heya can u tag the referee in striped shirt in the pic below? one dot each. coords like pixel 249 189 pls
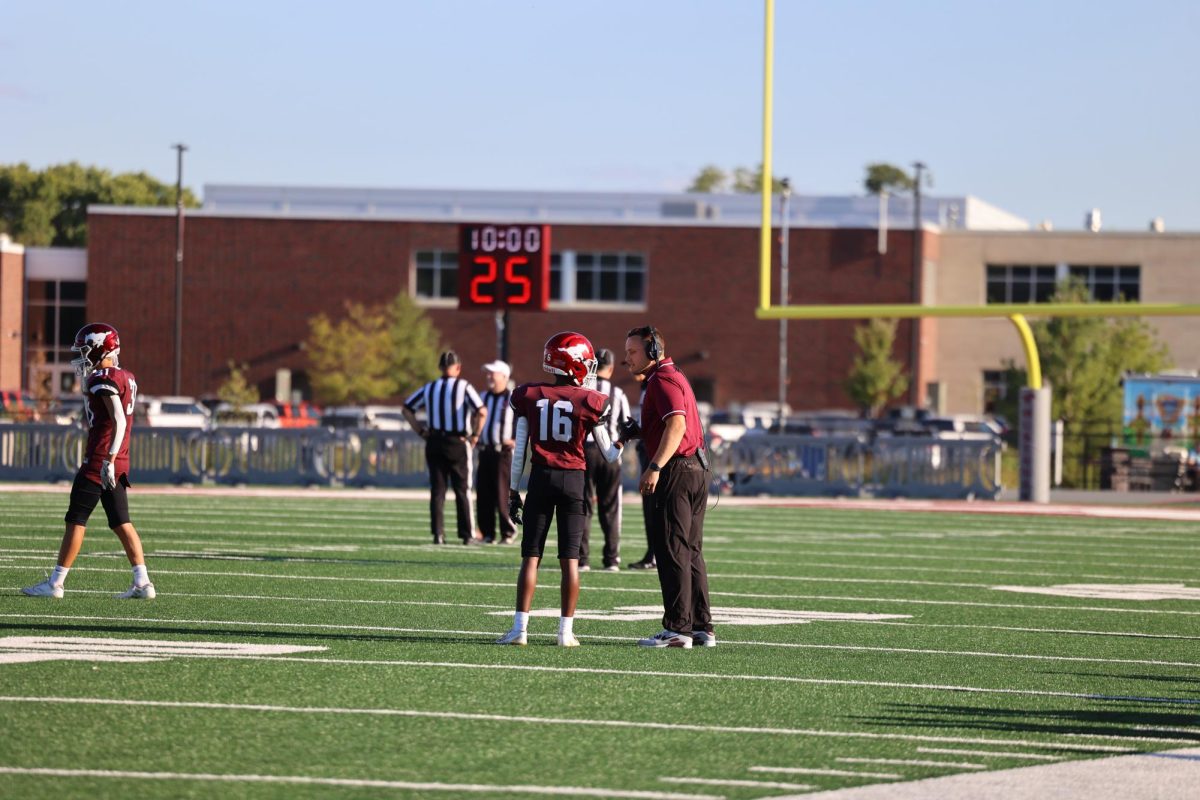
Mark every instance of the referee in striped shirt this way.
pixel 496 442
pixel 603 478
pixel 455 413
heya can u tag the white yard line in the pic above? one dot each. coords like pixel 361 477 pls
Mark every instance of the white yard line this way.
pixel 305 780
pixel 457 632
pixel 798 787
pixel 912 762
pixel 839 773
pixel 601 723
pixel 951 751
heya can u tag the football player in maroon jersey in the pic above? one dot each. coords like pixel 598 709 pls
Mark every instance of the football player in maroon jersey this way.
pixel 109 396
pixel 553 420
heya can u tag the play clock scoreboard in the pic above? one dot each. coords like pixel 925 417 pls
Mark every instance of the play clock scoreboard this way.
pixel 504 267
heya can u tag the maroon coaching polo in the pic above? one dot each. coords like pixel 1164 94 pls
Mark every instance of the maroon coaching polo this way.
pixel 668 393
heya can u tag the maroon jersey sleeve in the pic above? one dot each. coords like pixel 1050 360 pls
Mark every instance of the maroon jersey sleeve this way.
pixel 102 385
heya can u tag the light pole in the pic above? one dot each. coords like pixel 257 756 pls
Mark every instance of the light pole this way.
pixel 918 255
pixel 784 297
pixel 179 148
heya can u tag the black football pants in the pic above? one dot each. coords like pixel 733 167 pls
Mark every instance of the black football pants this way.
pixel 493 483
pixel 677 534
pixel 603 480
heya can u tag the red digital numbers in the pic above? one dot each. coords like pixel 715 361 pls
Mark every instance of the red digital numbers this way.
pixel 504 267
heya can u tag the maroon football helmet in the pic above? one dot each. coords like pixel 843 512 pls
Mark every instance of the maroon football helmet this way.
pixel 571 354
pixel 95 342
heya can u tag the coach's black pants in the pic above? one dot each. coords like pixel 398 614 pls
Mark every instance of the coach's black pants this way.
pixel 677 534
pixel 603 481
pixel 448 462
pixel 493 483
pixel 647 500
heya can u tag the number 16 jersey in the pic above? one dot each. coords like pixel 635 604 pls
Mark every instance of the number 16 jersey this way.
pixel 559 419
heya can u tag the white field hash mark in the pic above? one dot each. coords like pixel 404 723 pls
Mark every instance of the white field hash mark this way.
pixel 29 649
pixel 414 786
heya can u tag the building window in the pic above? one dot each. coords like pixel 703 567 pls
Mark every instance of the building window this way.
pixel 1036 283
pixel 55 312
pixel 437 275
pixel 995 389
pixel 1107 284
pixel 602 278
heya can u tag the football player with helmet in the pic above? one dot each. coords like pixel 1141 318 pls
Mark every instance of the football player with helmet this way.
pixel 553 419
pixel 110 393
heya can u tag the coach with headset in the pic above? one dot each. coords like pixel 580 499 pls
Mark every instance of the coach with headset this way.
pixel 677 479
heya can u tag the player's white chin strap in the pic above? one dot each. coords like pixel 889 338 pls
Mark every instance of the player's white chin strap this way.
pixel 518 462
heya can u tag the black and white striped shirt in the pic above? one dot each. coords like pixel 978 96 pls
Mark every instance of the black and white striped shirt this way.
pixel 499 426
pixel 447 403
pixel 618 405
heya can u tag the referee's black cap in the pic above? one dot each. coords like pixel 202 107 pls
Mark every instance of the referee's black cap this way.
pixel 604 358
pixel 448 359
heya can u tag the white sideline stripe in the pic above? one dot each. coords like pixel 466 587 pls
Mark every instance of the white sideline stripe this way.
pixel 912 762
pixel 1042 630
pixel 841 773
pixel 603 723
pixel 426 786
pixel 799 787
pixel 491 634
pixel 951 751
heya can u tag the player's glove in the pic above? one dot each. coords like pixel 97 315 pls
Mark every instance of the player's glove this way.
pixel 108 475
pixel 629 430
pixel 515 507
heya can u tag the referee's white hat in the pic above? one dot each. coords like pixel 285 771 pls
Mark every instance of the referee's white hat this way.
pixel 498 366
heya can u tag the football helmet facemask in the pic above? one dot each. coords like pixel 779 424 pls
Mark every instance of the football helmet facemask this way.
pixel 570 354
pixel 94 343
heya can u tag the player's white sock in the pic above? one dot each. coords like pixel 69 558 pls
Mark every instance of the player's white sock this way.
pixel 564 625
pixel 59 576
pixel 521 621
pixel 140 576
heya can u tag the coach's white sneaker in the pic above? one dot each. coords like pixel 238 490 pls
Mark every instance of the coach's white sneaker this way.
pixel 143 592
pixel 514 636
pixel 667 638
pixel 704 639
pixel 44 589
pixel 567 640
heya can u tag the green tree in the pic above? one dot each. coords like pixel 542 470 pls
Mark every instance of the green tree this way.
pixel 236 390
pixel 1082 360
pixel 882 176
pixel 875 377
pixel 49 207
pixel 712 179
pixel 373 352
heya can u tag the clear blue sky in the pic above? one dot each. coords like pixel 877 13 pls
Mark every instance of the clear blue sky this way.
pixel 1045 108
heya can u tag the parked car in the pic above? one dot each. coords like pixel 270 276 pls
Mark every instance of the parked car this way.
pixel 251 415
pixel 170 412
pixel 963 426
pixel 298 415
pixel 379 418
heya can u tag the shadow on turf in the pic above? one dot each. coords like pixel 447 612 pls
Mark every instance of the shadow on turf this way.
pixel 1036 720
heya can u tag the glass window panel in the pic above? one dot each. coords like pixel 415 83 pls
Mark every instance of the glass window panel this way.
pixel 1021 292
pixel 424 283
pixel 71 319
pixel 1043 292
pixel 633 287
pixel 1080 272
pixel 1129 273
pixel 425 258
pixel 1103 292
pixel 584 285
pixel 1104 274
pixel 1131 290
pixel 995 273
pixel 584 260
pixel 1045 274
pixel 608 286
pixel 449 283
pixel 634 261
pixel 75 291
pixel 1021 273
pixel 556 284
pixel 996 292
pixel 40 292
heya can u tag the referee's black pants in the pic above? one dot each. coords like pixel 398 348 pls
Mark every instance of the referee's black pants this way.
pixel 676 535
pixel 603 480
pixel 493 480
pixel 449 462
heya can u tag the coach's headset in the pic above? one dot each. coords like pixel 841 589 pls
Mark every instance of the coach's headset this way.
pixel 652 340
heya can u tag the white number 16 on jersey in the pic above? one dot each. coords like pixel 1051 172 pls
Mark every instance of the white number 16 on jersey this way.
pixel 556 423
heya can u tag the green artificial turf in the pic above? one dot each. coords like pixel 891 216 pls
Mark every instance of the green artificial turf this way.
pixel 407 689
